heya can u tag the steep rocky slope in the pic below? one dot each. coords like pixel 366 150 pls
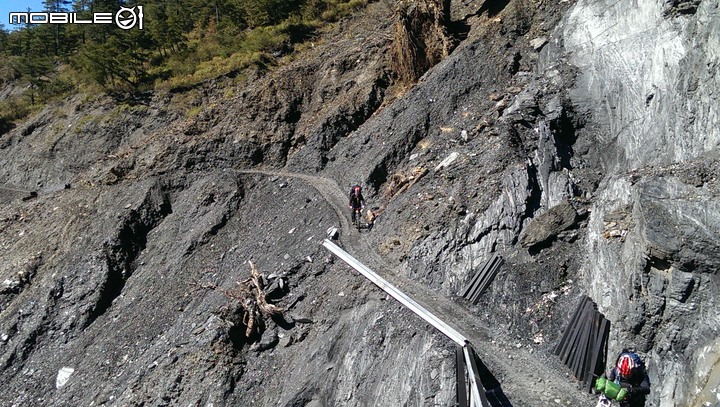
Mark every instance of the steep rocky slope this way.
pixel 576 139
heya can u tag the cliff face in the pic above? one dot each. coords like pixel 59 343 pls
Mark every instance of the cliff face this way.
pixel 648 76
pixel 578 140
pixel 649 81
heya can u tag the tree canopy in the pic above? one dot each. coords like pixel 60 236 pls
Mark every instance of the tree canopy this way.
pixel 182 41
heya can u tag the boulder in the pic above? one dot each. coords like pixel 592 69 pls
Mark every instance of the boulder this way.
pixel 549 224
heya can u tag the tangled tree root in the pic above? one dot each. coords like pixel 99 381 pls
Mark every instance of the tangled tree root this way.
pixel 251 302
pixel 421 37
pixel 254 301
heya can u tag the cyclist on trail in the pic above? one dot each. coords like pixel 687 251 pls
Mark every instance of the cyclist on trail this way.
pixel 357 202
pixel 630 374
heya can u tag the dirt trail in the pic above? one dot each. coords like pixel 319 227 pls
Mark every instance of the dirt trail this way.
pixel 526 379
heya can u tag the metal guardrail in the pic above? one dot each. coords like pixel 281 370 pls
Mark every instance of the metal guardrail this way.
pixel 462 377
pixel 477 393
pixel 397 294
pixel 7 188
pixel 25 194
pixel 477 398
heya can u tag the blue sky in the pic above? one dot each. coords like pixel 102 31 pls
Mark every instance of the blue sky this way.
pixel 6 6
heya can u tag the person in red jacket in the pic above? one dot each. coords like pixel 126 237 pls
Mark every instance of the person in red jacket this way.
pixel 629 372
pixel 357 202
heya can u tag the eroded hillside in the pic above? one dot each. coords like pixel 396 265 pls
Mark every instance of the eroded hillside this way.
pixel 576 139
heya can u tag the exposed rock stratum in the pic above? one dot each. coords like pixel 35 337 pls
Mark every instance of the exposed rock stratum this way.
pixel 577 139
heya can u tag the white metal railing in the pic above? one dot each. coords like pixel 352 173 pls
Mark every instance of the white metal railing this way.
pixel 476 399
pixel 397 294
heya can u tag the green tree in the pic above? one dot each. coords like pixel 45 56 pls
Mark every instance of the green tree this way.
pixel 267 12
pixel 4 41
pixel 7 71
pixel 55 34
pixel 120 63
pixel 31 61
pixel 35 70
pixel 166 23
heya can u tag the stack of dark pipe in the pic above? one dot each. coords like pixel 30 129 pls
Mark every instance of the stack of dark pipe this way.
pixel 583 347
pixel 482 279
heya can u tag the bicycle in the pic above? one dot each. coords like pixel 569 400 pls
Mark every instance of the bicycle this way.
pixel 358 218
pixel 604 402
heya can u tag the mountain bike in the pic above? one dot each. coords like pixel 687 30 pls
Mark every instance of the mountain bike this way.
pixel 358 218
pixel 604 402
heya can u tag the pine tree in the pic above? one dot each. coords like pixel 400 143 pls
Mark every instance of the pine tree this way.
pixel 120 63
pixel 4 41
pixel 266 12
pixel 167 22
pixel 33 63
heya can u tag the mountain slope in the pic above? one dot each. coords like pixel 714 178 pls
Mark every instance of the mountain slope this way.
pixel 127 265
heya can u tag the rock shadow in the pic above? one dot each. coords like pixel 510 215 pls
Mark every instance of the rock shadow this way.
pixel 493 7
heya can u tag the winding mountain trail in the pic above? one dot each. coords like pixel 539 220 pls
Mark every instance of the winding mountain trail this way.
pixel 526 379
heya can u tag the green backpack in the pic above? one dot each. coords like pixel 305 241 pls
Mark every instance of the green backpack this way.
pixel 610 389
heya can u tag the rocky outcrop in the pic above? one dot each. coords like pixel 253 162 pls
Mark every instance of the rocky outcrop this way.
pixel 549 224
pixel 421 37
pixel 654 279
pixel 652 273
pixel 647 80
pixel 578 141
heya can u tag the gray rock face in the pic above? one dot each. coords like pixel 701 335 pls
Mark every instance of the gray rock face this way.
pixel 648 79
pixel 547 109
pixel 655 282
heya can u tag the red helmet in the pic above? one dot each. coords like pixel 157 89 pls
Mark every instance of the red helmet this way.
pixel 625 365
